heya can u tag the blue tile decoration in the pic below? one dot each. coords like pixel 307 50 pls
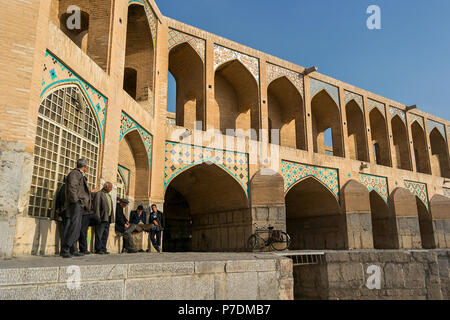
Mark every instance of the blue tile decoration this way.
pixel 375 183
pixel 127 125
pixel 316 86
pixel 223 55
pixel 412 117
pixel 274 72
pixel 180 157
pixel 419 190
pixel 294 172
pixel 56 74
pixel 371 104
pixel 151 16
pixel 397 112
pixel 439 126
pixel 125 174
pixel 349 96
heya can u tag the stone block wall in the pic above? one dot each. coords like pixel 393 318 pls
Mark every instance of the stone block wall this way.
pixel 415 274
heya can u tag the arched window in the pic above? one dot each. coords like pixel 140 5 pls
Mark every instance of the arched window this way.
pixel 66 131
pixel 121 187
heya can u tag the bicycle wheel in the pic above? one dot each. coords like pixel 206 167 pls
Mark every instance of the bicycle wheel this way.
pixel 255 243
pixel 283 243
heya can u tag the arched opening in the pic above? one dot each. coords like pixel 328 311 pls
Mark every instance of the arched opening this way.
pixel 286 113
pixel 88 28
pixel 325 115
pixel 384 227
pixel 314 219
pixel 206 210
pixel 356 132
pixel 139 56
pixel 379 137
pixel 130 82
pixel 186 67
pixel 439 154
pixel 426 225
pixel 133 156
pixel 420 148
pixel 236 100
pixel 400 137
pixel 67 130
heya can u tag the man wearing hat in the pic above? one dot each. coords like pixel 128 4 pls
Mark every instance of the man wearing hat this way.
pixel 138 221
pixel 123 226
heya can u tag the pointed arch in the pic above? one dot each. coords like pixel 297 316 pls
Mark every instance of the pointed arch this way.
pixel 426 225
pixel 326 115
pixel 439 153
pixel 187 68
pixel 286 112
pixel 236 98
pixel 401 145
pixel 310 225
pixel 379 137
pixel 384 225
pixel 356 131
pixel 420 148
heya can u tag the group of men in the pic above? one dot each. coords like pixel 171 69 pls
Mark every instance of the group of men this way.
pixel 80 208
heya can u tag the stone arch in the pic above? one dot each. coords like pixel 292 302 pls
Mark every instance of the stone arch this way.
pixel 93 36
pixel 314 219
pixel 426 225
pixel 139 54
pixel 286 113
pixel 439 154
pixel 420 148
pixel 400 137
pixel 384 227
pixel 236 98
pixel 133 156
pixel 213 202
pixel 440 213
pixel 325 114
pixel 356 131
pixel 67 129
pixel 186 66
pixel 404 207
pixel 379 137
pixel 355 202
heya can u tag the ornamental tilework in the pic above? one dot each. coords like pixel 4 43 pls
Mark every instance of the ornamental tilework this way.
pixel 125 174
pixel 316 86
pixel 293 172
pixel 177 37
pixel 419 190
pixel 375 104
pixel 223 55
pixel 127 125
pixel 397 112
pixel 439 126
pixel 274 72
pixel 55 73
pixel 349 96
pixel 151 17
pixel 180 156
pixel 375 183
pixel 412 117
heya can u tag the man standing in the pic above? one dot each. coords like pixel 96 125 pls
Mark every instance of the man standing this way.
pixel 158 219
pixel 123 226
pixel 78 201
pixel 103 207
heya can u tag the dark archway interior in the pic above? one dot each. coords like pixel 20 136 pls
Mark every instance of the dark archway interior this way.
pixel 356 132
pixel 384 227
pixel 206 210
pixel 314 219
pixel 379 137
pixel 420 148
pixel 439 153
pixel 400 137
pixel 426 226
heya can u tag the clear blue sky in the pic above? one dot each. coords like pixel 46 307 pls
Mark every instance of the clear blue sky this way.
pixel 408 60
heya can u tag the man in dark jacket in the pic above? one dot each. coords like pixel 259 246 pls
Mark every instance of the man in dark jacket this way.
pixel 103 207
pixel 78 201
pixel 123 226
pixel 138 221
pixel 61 210
pixel 159 220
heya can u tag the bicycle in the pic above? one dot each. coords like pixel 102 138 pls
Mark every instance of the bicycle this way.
pixel 277 239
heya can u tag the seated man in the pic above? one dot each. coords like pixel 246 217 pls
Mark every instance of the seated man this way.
pixel 138 218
